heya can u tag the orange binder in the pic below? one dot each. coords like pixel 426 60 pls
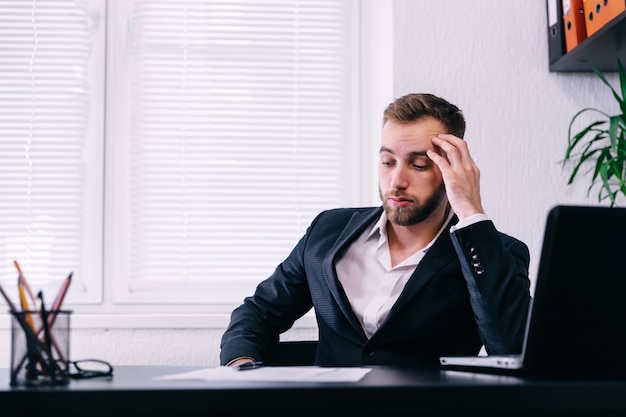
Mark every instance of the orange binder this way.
pixel 600 12
pixel 574 22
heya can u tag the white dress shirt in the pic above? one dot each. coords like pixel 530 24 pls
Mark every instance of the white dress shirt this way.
pixel 371 284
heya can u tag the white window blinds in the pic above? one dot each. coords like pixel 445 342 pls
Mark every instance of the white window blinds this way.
pixel 51 187
pixel 232 125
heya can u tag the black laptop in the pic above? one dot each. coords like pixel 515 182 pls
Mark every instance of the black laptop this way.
pixel 577 320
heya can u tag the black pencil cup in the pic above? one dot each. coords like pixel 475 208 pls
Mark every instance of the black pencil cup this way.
pixel 40 347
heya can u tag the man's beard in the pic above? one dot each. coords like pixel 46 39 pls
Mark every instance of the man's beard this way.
pixel 408 216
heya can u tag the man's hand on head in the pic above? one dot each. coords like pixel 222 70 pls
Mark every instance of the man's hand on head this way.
pixel 460 174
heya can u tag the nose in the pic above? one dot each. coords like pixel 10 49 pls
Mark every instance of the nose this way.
pixel 399 178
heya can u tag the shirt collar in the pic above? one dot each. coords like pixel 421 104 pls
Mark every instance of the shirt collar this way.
pixel 378 228
pixel 379 231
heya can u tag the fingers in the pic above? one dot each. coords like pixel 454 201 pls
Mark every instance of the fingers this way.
pixel 460 174
pixel 453 155
pixel 455 150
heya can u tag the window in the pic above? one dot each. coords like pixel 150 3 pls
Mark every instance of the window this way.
pixel 51 79
pixel 227 126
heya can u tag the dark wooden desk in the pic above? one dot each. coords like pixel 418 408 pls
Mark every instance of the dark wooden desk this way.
pixel 383 392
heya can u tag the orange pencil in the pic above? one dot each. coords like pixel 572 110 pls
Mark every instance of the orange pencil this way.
pixel 22 279
pixel 25 307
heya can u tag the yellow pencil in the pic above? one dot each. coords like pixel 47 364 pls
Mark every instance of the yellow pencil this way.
pixel 22 279
pixel 25 307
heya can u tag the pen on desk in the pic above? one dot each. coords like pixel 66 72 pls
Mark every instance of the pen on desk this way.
pixel 249 365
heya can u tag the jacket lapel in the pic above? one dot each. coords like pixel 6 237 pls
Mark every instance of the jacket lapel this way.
pixel 355 226
pixel 440 254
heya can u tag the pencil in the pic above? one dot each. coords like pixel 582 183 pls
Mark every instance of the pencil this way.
pixel 22 279
pixel 47 337
pixel 25 307
pixel 33 349
pixel 58 300
pixel 54 308
pixel 34 352
pixel 7 299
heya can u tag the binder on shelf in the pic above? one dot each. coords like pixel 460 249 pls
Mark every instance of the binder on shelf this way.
pixel 600 12
pixel 574 23
pixel 556 30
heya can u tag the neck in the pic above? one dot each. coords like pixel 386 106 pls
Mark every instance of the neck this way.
pixel 404 241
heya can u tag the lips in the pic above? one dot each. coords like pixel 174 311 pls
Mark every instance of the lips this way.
pixel 400 202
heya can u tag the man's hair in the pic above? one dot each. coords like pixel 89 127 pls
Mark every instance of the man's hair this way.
pixel 412 107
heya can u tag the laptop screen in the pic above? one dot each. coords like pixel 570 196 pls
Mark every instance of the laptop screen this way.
pixel 578 319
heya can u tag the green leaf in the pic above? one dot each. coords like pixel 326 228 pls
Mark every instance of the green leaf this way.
pixel 622 81
pixel 584 157
pixel 605 81
pixel 600 146
pixel 579 136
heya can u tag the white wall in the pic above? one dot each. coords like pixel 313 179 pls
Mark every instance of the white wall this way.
pixel 491 59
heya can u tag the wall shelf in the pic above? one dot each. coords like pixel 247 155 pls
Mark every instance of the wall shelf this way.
pixel 602 49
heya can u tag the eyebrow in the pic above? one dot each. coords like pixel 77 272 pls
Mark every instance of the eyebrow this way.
pixel 411 155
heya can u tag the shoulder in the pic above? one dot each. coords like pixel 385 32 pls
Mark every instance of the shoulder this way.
pixel 339 217
pixel 349 212
pixel 342 215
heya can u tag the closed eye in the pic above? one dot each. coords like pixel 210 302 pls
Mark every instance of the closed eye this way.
pixel 421 163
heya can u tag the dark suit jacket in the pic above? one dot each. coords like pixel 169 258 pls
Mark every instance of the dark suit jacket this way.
pixel 470 289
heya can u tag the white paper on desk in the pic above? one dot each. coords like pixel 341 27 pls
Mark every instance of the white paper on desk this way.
pixel 273 373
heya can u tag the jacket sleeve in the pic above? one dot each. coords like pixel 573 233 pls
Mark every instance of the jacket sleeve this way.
pixel 277 302
pixel 495 268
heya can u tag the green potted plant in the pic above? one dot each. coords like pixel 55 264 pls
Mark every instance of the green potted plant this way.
pixel 601 146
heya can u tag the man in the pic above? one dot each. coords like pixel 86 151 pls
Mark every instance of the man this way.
pixel 424 276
